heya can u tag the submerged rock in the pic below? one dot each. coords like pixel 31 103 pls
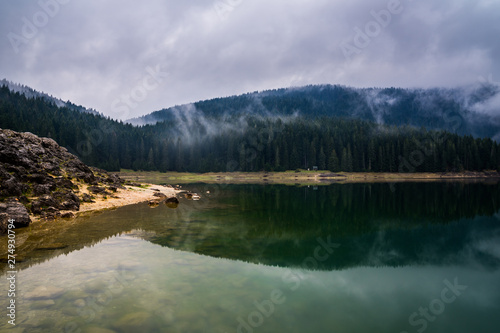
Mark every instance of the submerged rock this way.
pixel 134 322
pixel 44 292
pixel 192 196
pixel 172 202
pixel 80 303
pixel 153 203
pixel 73 295
pixel 95 287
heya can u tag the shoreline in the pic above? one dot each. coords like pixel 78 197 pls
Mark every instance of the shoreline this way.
pixel 304 177
pixel 122 197
pixel 50 234
pixel 146 188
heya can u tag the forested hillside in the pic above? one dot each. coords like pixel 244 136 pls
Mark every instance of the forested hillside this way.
pixel 248 141
pixel 472 110
pixel 31 93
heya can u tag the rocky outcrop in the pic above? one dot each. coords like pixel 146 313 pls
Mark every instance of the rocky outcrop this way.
pixel 44 176
pixel 14 210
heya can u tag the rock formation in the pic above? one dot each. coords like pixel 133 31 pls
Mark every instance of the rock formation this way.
pixel 44 178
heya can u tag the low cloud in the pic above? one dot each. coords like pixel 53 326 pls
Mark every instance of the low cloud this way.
pixel 257 45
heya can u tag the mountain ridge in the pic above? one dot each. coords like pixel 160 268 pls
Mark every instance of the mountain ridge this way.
pixel 469 110
pixel 32 93
pixel 230 134
pixel 434 108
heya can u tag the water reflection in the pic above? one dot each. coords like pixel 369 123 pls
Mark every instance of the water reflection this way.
pixel 419 223
pixel 341 258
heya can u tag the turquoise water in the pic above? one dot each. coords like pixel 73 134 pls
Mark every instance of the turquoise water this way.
pixel 253 258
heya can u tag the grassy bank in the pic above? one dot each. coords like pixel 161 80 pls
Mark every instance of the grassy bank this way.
pixel 300 177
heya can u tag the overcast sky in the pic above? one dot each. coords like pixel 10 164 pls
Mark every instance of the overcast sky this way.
pixel 128 58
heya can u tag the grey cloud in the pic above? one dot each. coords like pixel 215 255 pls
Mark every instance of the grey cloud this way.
pixel 93 52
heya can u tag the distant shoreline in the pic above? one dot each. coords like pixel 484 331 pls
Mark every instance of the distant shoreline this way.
pixel 304 176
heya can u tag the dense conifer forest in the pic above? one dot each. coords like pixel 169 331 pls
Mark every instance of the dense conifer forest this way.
pixel 217 141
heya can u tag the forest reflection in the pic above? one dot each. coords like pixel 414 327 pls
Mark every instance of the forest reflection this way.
pixel 418 223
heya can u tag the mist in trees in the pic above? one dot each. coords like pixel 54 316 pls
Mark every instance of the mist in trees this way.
pixel 251 143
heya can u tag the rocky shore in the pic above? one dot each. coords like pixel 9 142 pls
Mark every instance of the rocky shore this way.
pixel 41 180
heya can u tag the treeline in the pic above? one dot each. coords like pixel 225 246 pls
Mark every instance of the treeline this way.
pixel 334 144
pixel 97 140
pixel 440 109
pixel 250 144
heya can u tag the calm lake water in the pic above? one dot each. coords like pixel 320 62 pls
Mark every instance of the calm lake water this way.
pixel 255 258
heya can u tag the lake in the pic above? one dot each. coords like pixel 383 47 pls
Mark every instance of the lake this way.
pixel 410 257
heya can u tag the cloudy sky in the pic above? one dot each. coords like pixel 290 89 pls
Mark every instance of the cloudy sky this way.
pixel 127 58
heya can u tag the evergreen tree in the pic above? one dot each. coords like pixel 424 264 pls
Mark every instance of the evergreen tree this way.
pixel 333 162
pixel 262 144
pixel 322 159
pixel 343 161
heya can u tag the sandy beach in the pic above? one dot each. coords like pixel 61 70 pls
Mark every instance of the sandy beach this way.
pixel 131 195
pixel 122 197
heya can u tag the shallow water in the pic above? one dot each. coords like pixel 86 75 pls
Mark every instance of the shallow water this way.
pixel 253 258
